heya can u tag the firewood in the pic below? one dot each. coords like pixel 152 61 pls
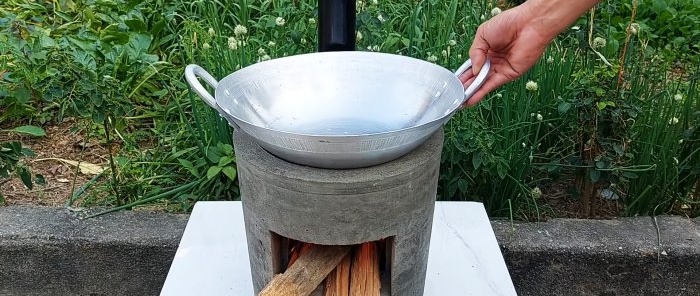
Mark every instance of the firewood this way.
pixel 296 250
pixel 338 282
pixel 364 274
pixel 307 272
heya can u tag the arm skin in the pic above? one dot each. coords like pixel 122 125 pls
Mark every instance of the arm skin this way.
pixel 515 39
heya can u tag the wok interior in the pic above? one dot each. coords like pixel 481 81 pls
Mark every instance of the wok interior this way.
pixel 340 93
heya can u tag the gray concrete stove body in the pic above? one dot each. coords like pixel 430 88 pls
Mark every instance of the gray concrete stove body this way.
pixel 392 201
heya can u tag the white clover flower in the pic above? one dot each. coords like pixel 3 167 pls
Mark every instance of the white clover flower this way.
pixel 312 21
pixel 280 21
pixel 452 42
pixel 536 192
pixel 375 2
pixel 232 43
pixel 303 40
pixel 271 44
pixel 550 60
pixel 264 58
pixel 459 56
pixel 358 36
pixel 599 42
pixel 575 28
pixel 495 11
pixel 359 5
pixel 381 18
pixel 240 30
pixel 678 97
pixel 634 28
pixel 531 86
pixel 432 58
pixel 673 120
pixel 211 32
pixel 206 46
pixel 444 53
pixel 680 141
pixel 261 52
pixel 539 117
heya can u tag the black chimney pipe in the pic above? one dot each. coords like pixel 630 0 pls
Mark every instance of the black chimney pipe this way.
pixel 336 25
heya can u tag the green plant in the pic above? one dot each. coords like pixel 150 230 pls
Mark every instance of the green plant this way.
pixel 626 135
pixel 79 58
pixel 667 139
pixel 192 159
pixel 600 108
pixel 671 28
pixel 502 151
pixel 11 154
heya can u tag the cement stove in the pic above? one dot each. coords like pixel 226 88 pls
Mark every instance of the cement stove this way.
pixel 393 202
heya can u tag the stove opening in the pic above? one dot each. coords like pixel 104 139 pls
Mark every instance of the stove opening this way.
pixel 330 270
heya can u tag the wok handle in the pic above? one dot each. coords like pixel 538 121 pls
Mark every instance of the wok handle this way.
pixel 192 72
pixel 480 78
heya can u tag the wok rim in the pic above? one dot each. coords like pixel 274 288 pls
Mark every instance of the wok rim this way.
pixel 253 67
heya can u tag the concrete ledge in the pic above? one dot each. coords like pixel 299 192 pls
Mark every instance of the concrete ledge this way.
pixel 49 251
pixel 631 256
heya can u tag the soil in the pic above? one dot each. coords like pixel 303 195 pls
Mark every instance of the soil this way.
pixel 65 141
pixel 557 198
pixel 62 141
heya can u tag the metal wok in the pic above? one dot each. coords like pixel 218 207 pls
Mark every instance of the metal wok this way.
pixel 338 110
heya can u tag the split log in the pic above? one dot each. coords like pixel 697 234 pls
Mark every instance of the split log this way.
pixel 364 274
pixel 297 249
pixel 307 272
pixel 338 282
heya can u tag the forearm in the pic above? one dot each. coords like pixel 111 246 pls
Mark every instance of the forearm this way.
pixel 551 17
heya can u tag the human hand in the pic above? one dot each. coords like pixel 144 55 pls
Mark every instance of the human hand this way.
pixel 515 39
pixel 511 43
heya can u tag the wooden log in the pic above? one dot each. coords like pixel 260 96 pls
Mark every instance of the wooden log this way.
pixel 297 248
pixel 307 272
pixel 364 274
pixel 338 282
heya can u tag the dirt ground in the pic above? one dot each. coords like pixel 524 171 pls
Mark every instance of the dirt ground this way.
pixel 61 142
pixel 558 198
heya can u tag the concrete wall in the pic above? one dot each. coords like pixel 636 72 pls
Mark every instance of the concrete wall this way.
pixel 49 251
pixel 631 256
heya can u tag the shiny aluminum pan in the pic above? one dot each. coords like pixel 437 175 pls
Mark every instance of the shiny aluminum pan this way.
pixel 338 110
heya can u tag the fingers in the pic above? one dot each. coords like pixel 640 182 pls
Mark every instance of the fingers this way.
pixel 467 77
pixel 478 51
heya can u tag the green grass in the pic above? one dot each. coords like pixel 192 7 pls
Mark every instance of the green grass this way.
pixel 582 129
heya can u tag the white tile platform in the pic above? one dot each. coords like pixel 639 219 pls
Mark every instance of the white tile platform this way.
pixel 212 259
